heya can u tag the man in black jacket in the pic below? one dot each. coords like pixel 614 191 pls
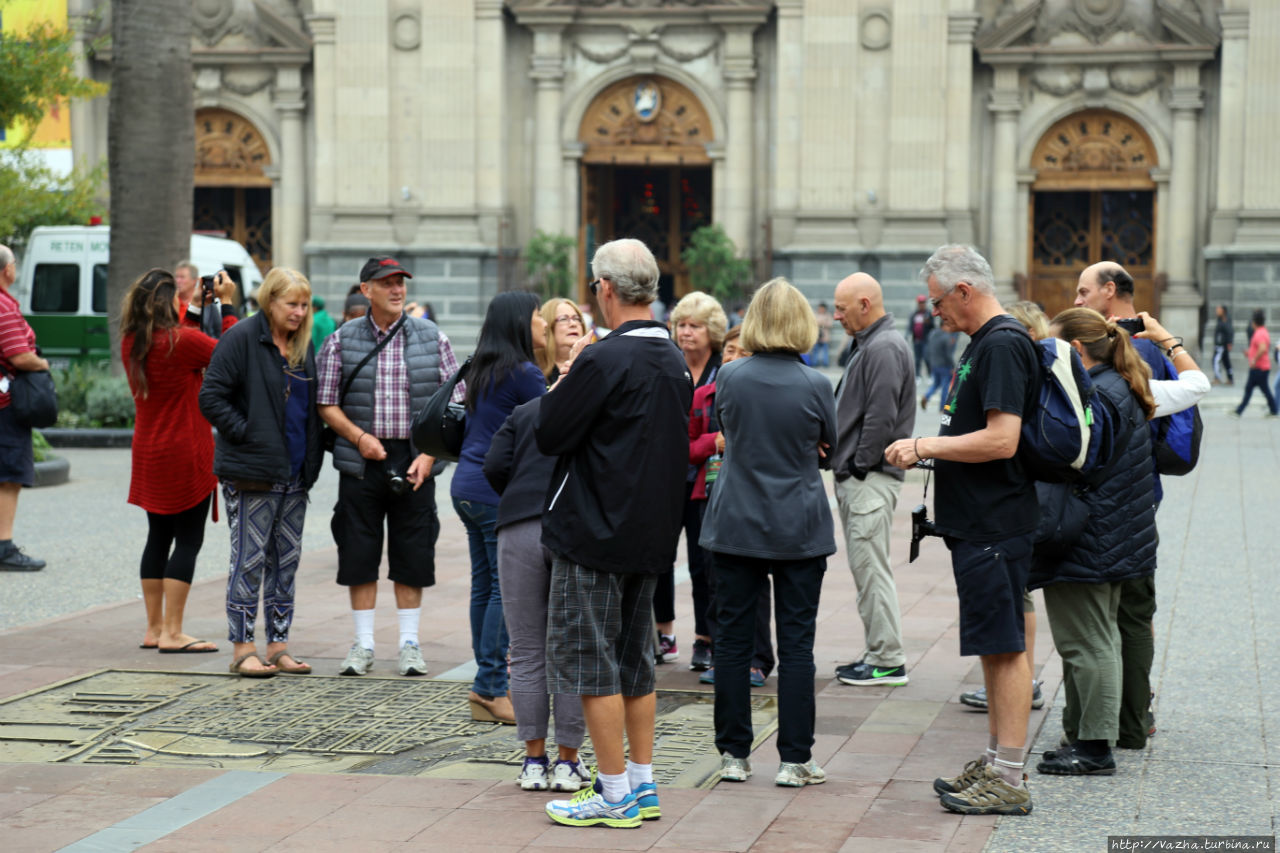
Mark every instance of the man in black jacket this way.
pixel 618 421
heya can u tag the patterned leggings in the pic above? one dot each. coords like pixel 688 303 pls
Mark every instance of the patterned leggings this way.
pixel 266 544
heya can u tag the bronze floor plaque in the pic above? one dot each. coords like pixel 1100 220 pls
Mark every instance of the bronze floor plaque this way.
pixel 315 724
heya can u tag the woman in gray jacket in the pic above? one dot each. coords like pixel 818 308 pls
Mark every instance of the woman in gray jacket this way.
pixel 769 515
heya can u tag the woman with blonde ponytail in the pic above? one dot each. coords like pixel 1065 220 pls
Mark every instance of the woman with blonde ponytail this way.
pixel 1083 588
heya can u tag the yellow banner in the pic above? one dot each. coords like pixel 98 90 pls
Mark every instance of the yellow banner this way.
pixel 17 17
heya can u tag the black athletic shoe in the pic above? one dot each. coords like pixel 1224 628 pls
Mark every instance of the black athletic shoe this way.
pixel 865 674
pixel 16 561
pixel 1070 761
pixel 701 660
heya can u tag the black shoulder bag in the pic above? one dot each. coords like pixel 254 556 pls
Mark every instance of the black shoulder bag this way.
pixel 330 436
pixel 438 429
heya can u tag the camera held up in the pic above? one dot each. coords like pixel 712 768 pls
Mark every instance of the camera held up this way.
pixel 921 527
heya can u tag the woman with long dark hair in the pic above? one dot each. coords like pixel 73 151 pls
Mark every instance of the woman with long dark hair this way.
pixel 503 374
pixel 172 455
pixel 1084 588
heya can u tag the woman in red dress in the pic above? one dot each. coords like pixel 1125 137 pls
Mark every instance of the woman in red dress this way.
pixel 172 476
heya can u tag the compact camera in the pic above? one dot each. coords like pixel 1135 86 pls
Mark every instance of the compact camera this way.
pixel 398 483
pixel 1132 325
pixel 921 527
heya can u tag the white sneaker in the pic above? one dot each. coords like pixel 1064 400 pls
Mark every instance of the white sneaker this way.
pixel 792 775
pixel 533 776
pixel 411 662
pixel 358 661
pixel 734 769
pixel 569 776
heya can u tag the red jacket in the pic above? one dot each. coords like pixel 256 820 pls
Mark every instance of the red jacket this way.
pixel 172 441
pixel 702 442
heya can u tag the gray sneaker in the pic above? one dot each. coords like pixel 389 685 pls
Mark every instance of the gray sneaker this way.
pixel 990 795
pixel 411 662
pixel 734 769
pixel 791 775
pixel 978 698
pixel 358 661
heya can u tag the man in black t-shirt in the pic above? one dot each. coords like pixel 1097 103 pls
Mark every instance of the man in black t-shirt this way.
pixel 986 508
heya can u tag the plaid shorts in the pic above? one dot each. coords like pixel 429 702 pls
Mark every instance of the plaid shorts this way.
pixel 599 632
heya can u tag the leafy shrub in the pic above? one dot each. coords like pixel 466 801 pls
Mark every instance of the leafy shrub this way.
pixel 40 446
pixel 109 402
pixel 548 261
pixel 714 265
pixel 90 396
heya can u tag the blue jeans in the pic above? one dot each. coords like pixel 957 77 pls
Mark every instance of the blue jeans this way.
pixel 941 382
pixel 821 354
pixel 1257 379
pixel 488 629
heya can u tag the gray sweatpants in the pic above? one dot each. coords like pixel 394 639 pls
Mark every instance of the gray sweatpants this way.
pixel 524 574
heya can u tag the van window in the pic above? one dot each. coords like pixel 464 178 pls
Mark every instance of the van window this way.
pixel 99 288
pixel 55 289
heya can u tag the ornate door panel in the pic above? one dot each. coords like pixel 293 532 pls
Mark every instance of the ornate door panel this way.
pixel 233 192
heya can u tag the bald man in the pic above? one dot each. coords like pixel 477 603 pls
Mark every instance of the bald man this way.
pixel 875 406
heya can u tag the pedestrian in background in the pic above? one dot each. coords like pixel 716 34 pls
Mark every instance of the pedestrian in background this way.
pixel 259 392
pixel 164 361
pixel 1223 336
pixel 1258 357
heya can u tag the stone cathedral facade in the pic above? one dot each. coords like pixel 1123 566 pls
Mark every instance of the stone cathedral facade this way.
pixel 825 136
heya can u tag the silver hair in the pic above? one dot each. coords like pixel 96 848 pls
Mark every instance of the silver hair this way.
pixel 954 263
pixel 631 267
pixel 6 256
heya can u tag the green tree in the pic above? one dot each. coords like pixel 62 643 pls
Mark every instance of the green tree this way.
pixel 714 265
pixel 548 261
pixel 36 73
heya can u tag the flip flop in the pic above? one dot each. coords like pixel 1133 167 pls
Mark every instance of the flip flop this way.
pixel 237 664
pixel 299 668
pixel 186 650
pixel 153 647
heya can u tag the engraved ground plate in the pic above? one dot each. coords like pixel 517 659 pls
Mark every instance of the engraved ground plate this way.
pixel 315 724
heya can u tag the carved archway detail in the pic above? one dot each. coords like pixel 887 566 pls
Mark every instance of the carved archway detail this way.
pixel 1094 149
pixel 646 120
pixel 230 151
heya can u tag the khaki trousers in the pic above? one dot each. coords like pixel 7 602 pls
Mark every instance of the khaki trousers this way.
pixel 1082 618
pixel 866 513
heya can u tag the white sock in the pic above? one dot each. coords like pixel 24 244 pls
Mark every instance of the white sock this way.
pixel 638 774
pixel 364 628
pixel 615 788
pixel 409 625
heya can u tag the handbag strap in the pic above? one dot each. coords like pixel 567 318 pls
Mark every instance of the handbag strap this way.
pixel 346 386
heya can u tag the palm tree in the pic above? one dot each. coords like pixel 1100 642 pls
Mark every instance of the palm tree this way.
pixel 150 143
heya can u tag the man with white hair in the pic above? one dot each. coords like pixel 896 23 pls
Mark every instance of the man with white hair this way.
pixel 617 420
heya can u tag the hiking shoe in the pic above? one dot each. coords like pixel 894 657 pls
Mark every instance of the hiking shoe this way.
pixel 990 795
pixel 978 698
pixel 1070 761
pixel 708 677
pixel 668 651
pixel 589 808
pixel 734 769
pixel 646 794
pixel 16 561
pixel 864 674
pixel 358 661
pixel 701 660
pixel 411 662
pixel 757 677
pixel 569 776
pixel 973 772
pixel 533 775
pixel 792 775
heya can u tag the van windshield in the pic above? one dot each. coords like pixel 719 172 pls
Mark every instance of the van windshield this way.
pixel 55 289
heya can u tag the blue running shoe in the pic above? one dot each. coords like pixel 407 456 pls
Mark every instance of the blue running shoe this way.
pixel 646 794
pixel 589 808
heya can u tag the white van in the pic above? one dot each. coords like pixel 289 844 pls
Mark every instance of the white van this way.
pixel 63 286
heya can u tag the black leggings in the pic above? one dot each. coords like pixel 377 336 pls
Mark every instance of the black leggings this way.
pixel 185 532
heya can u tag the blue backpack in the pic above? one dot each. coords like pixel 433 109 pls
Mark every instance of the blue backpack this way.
pixel 1070 435
pixel 1175 439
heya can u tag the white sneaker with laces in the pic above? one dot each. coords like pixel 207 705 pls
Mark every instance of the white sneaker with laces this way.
pixel 358 661
pixel 569 776
pixel 792 775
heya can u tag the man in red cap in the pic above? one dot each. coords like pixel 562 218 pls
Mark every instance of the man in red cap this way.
pixel 919 327
pixel 374 373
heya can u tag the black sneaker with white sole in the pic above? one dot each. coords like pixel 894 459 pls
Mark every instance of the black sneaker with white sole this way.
pixel 1071 760
pixel 863 674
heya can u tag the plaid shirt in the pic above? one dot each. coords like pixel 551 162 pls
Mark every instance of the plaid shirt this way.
pixel 392 417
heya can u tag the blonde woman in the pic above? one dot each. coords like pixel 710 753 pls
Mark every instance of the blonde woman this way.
pixel 565 325
pixel 259 391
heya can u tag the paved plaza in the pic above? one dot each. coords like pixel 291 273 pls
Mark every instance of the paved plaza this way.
pixel 1212 769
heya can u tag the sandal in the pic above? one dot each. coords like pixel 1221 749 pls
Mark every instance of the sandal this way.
pixel 298 668
pixel 237 667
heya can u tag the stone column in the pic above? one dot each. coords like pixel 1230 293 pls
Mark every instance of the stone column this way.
pixel 1181 301
pixel 787 103
pixel 547 71
pixel 960 29
pixel 324 113
pixel 491 138
pixel 289 231
pixel 1005 104
pixel 739 75
pixel 1232 77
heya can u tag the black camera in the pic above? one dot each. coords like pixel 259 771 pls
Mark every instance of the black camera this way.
pixel 206 286
pixel 398 483
pixel 921 527
pixel 1132 325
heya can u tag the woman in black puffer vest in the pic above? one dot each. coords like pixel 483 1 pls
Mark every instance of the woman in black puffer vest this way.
pixel 1083 589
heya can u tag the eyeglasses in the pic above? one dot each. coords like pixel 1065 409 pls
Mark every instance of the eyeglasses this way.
pixel 594 286
pixel 568 318
pixel 934 303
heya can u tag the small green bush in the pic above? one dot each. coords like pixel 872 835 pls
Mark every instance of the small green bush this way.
pixel 109 402
pixel 714 265
pixel 548 261
pixel 40 446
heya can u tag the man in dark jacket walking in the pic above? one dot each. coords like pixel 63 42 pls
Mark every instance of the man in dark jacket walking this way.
pixel 875 406
pixel 618 421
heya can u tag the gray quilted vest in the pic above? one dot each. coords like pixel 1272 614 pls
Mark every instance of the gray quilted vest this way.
pixel 421 342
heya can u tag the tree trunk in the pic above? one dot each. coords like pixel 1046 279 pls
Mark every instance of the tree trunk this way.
pixel 150 144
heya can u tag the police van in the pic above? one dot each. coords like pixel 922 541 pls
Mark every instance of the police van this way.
pixel 62 287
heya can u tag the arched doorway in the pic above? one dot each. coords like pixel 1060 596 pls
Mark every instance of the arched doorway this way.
pixel 1093 200
pixel 646 172
pixel 232 189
